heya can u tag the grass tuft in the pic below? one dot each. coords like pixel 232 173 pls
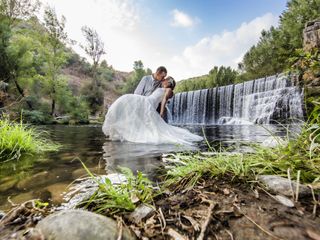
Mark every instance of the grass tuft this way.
pixel 17 139
pixel 111 199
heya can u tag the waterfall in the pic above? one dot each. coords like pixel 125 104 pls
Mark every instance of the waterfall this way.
pixel 263 101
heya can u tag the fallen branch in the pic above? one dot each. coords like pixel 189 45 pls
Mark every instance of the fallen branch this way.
pixel 207 221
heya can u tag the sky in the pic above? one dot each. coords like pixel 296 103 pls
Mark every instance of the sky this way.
pixel 188 37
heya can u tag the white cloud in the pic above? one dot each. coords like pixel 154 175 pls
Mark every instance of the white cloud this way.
pixel 226 48
pixel 181 19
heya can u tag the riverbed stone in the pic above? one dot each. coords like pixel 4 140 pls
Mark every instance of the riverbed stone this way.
pixel 115 178
pixel 140 213
pixel 8 184
pixel 281 185
pixel 81 225
pixel 57 191
pixel 34 180
pixel 81 172
pixel 2 214
pixel 22 197
pixel 284 201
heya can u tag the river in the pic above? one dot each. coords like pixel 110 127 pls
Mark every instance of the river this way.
pixel 47 176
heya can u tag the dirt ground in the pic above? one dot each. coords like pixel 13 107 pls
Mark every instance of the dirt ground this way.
pixel 214 209
pixel 217 209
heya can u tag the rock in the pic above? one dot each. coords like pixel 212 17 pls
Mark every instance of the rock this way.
pixel 311 35
pixel 284 201
pixel 43 194
pixel 80 225
pixel 282 186
pixel 115 178
pixel 273 142
pixel 140 213
pixel 77 193
pixel 35 180
pixel 29 234
pixel 83 190
pixel 7 185
pixel 23 197
pixel 67 156
pixel 57 191
pixel 81 172
pixel 2 214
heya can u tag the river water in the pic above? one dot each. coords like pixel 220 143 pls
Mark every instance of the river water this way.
pixel 47 176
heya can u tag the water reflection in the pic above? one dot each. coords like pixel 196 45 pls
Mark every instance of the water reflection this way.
pixel 137 156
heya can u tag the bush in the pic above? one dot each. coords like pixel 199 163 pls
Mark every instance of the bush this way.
pixel 36 117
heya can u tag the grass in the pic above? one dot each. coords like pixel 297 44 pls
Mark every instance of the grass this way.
pixel 299 155
pixel 17 139
pixel 111 199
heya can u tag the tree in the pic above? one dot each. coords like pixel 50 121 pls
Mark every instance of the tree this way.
pixel 277 45
pixel 55 54
pixel 10 12
pixel 18 9
pixel 135 77
pixel 94 48
pixel 218 76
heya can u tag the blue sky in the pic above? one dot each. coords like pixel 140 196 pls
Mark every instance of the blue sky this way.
pixel 189 37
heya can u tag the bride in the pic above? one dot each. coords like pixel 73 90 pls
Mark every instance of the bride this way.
pixel 134 118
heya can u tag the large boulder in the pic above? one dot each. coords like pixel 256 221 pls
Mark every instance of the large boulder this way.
pixel 81 225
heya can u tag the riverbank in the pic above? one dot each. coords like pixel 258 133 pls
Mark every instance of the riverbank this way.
pixel 198 204
pixel 212 209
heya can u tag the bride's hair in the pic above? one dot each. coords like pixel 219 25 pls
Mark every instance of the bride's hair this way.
pixel 172 82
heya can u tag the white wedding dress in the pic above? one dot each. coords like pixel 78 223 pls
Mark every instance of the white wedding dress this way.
pixel 134 118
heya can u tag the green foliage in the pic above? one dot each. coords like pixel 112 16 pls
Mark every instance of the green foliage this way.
pixel 54 51
pixel 218 76
pixel 93 96
pixel 5 34
pixel 306 63
pixel 270 55
pixel 36 117
pixel 17 139
pixel 32 58
pixel 135 77
pixel 111 199
pixel 105 74
pixel 195 166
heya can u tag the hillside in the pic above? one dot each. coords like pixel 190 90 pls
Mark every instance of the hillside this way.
pixel 78 79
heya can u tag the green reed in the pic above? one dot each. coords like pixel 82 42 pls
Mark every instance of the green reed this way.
pixel 17 139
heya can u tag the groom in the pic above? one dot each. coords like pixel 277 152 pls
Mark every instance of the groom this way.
pixel 149 83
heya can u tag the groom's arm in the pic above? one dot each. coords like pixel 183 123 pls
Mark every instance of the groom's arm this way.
pixel 140 88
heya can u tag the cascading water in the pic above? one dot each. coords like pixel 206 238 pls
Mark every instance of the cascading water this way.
pixel 263 101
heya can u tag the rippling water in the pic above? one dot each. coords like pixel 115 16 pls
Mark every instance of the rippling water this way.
pixel 47 176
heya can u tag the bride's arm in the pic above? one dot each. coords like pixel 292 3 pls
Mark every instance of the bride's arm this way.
pixel 168 94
